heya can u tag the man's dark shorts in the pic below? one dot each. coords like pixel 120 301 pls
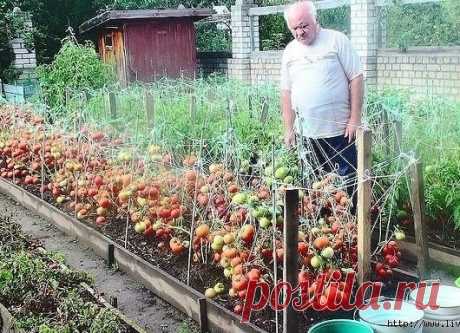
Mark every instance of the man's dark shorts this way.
pixel 334 154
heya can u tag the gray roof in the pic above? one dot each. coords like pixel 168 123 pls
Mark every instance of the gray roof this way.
pixel 114 15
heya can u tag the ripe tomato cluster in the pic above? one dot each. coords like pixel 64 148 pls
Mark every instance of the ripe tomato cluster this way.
pixel 391 259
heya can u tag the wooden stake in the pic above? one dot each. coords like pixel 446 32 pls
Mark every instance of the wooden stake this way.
pixel 203 315
pixel 364 138
pixel 250 105
pixel 290 271
pixel 110 255
pixel 149 109
pixel 398 136
pixel 113 301
pixel 112 105
pixel 417 198
pixel 264 113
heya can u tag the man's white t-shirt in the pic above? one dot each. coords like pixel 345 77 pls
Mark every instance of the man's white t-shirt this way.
pixel 318 77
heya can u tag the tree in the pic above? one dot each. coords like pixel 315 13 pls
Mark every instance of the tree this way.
pixel 11 25
pixel 51 19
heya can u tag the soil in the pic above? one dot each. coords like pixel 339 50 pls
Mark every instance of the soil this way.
pixel 135 301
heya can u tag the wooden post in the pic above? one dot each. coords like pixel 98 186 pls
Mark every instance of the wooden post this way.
pixel 264 113
pixel 364 139
pixel 149 109
pixel 250 105
pixel 113 301
pixel 386 131
pixel 417 198
pixel 110 255
pixel 290 269
pixel 112 105
pixel 203 316
pixel 398 136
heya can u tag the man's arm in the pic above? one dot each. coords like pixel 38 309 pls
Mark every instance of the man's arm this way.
pixel 288 118
pixel 356 104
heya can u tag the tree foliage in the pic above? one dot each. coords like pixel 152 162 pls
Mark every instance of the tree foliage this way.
pixel 11 26
pixel 51 19
pixel 426 24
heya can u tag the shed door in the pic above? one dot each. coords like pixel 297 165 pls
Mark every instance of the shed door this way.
pixel 160 48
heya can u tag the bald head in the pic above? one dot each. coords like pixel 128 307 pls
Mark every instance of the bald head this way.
pixel 301 21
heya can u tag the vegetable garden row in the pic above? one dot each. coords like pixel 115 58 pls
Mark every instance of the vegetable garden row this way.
pixel 201 195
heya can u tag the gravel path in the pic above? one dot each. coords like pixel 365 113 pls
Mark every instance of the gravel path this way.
pixel 135 301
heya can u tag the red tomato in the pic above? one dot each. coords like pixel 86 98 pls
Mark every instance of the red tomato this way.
pixel 302 248
pixel 254 274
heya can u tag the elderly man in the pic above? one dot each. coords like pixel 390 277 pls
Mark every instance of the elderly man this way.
pixel 321 91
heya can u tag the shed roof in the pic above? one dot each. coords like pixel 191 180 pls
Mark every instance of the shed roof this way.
pixel 123 15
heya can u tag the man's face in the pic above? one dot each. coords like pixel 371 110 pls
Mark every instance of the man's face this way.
pixel 303 26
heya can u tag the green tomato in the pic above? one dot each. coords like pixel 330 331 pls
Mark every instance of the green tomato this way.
pixel 240 198
pixel 327 252
pixel 400 235
pixel 264 222
pixel 219 288
pixel 210 293
pixel 281 173
pixel 139 227
pixel 288 180
pixel 316 261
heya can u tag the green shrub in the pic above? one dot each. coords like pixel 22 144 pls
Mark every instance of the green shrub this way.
pixel 75 68
pixel 431 127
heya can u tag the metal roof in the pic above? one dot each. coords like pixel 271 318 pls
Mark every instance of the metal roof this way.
pixel 123 15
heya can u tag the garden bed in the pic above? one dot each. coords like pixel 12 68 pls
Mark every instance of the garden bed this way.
pixel 162 277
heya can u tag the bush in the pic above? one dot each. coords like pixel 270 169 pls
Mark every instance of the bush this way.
pixel 75 68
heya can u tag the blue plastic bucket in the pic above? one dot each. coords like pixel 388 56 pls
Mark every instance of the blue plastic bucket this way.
pixel 340 326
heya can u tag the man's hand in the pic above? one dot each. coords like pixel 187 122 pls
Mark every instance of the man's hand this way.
pixel 289 139
pixel 350 131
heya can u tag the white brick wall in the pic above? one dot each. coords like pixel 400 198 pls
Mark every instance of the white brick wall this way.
pixel 422 70
pixel 25 59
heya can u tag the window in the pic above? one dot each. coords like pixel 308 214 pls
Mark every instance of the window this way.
pixel 108 41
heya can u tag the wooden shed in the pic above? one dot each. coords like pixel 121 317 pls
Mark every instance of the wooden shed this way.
pixel 147 44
